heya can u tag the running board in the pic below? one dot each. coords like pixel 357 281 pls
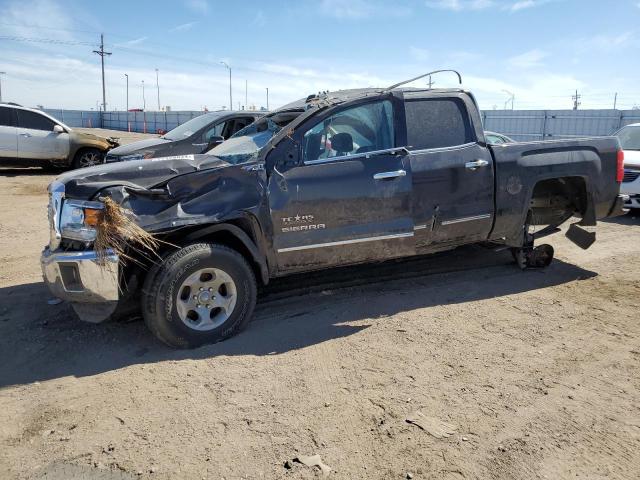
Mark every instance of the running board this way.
pixel 580 236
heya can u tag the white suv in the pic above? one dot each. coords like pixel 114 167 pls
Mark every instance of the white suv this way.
pixel 29 137
pixel 629 137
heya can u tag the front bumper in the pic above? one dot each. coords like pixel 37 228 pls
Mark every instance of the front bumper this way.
pixel 79 278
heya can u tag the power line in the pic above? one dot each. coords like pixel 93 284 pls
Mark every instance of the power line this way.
pixel 52 41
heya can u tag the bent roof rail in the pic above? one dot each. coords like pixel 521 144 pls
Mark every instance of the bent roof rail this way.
pixel 425 75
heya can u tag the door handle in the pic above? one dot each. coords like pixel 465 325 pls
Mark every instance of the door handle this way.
pixel 476 164
pixel 387 175
pixel 25 134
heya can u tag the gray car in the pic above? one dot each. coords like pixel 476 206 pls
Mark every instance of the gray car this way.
pixel 195 136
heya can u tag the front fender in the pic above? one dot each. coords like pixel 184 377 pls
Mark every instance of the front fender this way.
pixel 241 236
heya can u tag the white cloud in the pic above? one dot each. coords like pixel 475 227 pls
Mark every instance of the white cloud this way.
pixel 259 19
pixel 361 9
pixel 130 43
pixel 183 27
pixel 419 54
pixel 460 5
pixel 531 59
pixel 476 5
pixel 522 5
pixel 198 6
pixel 22 18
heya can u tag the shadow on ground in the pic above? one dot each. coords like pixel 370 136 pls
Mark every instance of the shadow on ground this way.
pixel 40 342
pixel 631 218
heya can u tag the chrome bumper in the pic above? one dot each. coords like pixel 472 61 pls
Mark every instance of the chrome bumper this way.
pixel 78 277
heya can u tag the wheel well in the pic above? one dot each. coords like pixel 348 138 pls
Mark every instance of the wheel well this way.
pixel 553 199
pixel 235 235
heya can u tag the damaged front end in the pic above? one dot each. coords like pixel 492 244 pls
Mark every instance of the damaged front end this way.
pixel 100 249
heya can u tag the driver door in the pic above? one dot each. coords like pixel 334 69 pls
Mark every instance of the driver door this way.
pixel 348 198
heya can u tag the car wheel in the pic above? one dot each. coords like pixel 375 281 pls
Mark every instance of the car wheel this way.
pixel 200 294
pixel 88 157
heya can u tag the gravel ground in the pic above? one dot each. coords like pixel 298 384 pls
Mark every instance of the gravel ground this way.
pixel 456 366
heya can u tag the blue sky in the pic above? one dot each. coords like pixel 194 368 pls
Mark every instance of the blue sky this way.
pixel 541 50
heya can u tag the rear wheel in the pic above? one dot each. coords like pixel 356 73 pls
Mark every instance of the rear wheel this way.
pixel 200 294
pixel 88 157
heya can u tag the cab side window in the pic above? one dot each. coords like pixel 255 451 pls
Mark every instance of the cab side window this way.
pixel 215 131
pixel 360 129
pixel 6 117
pixel 34 121
pixel 437 123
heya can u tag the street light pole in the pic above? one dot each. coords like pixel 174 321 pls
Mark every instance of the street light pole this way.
pixel 267 98
pixel 1 73
pixel 127 76
pixel 230 96
pixel 158 87
pixel 144 102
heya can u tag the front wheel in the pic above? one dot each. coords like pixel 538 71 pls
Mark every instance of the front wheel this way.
pixel 88 157
pixel 200 294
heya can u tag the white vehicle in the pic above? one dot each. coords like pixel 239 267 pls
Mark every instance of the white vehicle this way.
pixel 30 137
pixel 629 137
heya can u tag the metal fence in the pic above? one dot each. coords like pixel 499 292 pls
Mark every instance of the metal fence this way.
pixel 520 125
pixel 527 125
pixel 76 118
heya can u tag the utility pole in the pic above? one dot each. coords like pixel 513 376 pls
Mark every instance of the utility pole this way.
pixel 127 76
pixel 576 100
pixel 615 100
pixel 158 88
pixel 245 94
pixel 430 82
pixel 102 53
pixel 267 98
pixel 230 97
pixel 1 73
pixel 144 101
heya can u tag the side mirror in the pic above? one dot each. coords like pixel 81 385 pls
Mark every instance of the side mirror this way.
pixel 215 140
pixel 58 129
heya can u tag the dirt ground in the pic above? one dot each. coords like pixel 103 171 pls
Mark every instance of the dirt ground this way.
pixel 456 366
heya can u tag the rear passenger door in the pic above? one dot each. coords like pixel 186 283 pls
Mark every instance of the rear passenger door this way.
pixel 8 135
pixel 452 174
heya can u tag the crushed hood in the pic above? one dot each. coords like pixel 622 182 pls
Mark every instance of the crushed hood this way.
pixel 139 146
pixel 84 183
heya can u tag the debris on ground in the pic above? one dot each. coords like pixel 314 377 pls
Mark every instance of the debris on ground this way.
pixel 433 426
pixel 310 461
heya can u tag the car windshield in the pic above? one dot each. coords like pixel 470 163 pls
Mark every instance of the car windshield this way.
pixel 246 144
pixel 189 128
pixel 629 137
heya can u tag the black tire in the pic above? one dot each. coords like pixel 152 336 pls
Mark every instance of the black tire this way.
pixel 87 157
pixel 159 297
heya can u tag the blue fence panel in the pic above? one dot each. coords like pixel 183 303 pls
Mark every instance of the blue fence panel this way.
pixel 521 125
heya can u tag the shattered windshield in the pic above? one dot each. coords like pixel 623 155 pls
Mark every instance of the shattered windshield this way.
pixel 246 144
pixel 630 138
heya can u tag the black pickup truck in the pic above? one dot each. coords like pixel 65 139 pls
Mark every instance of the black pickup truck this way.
pixel 337 178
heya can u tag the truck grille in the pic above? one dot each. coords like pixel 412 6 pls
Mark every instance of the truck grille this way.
pixel 630 176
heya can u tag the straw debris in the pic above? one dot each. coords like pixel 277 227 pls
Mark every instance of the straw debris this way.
pixel 116 230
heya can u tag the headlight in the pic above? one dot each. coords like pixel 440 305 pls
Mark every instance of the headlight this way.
pixel 79 219
pixel 138 156
pixel 135 156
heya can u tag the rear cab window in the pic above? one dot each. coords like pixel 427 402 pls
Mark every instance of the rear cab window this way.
pixel 34 121
pixel 437 123
pixel 355 130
